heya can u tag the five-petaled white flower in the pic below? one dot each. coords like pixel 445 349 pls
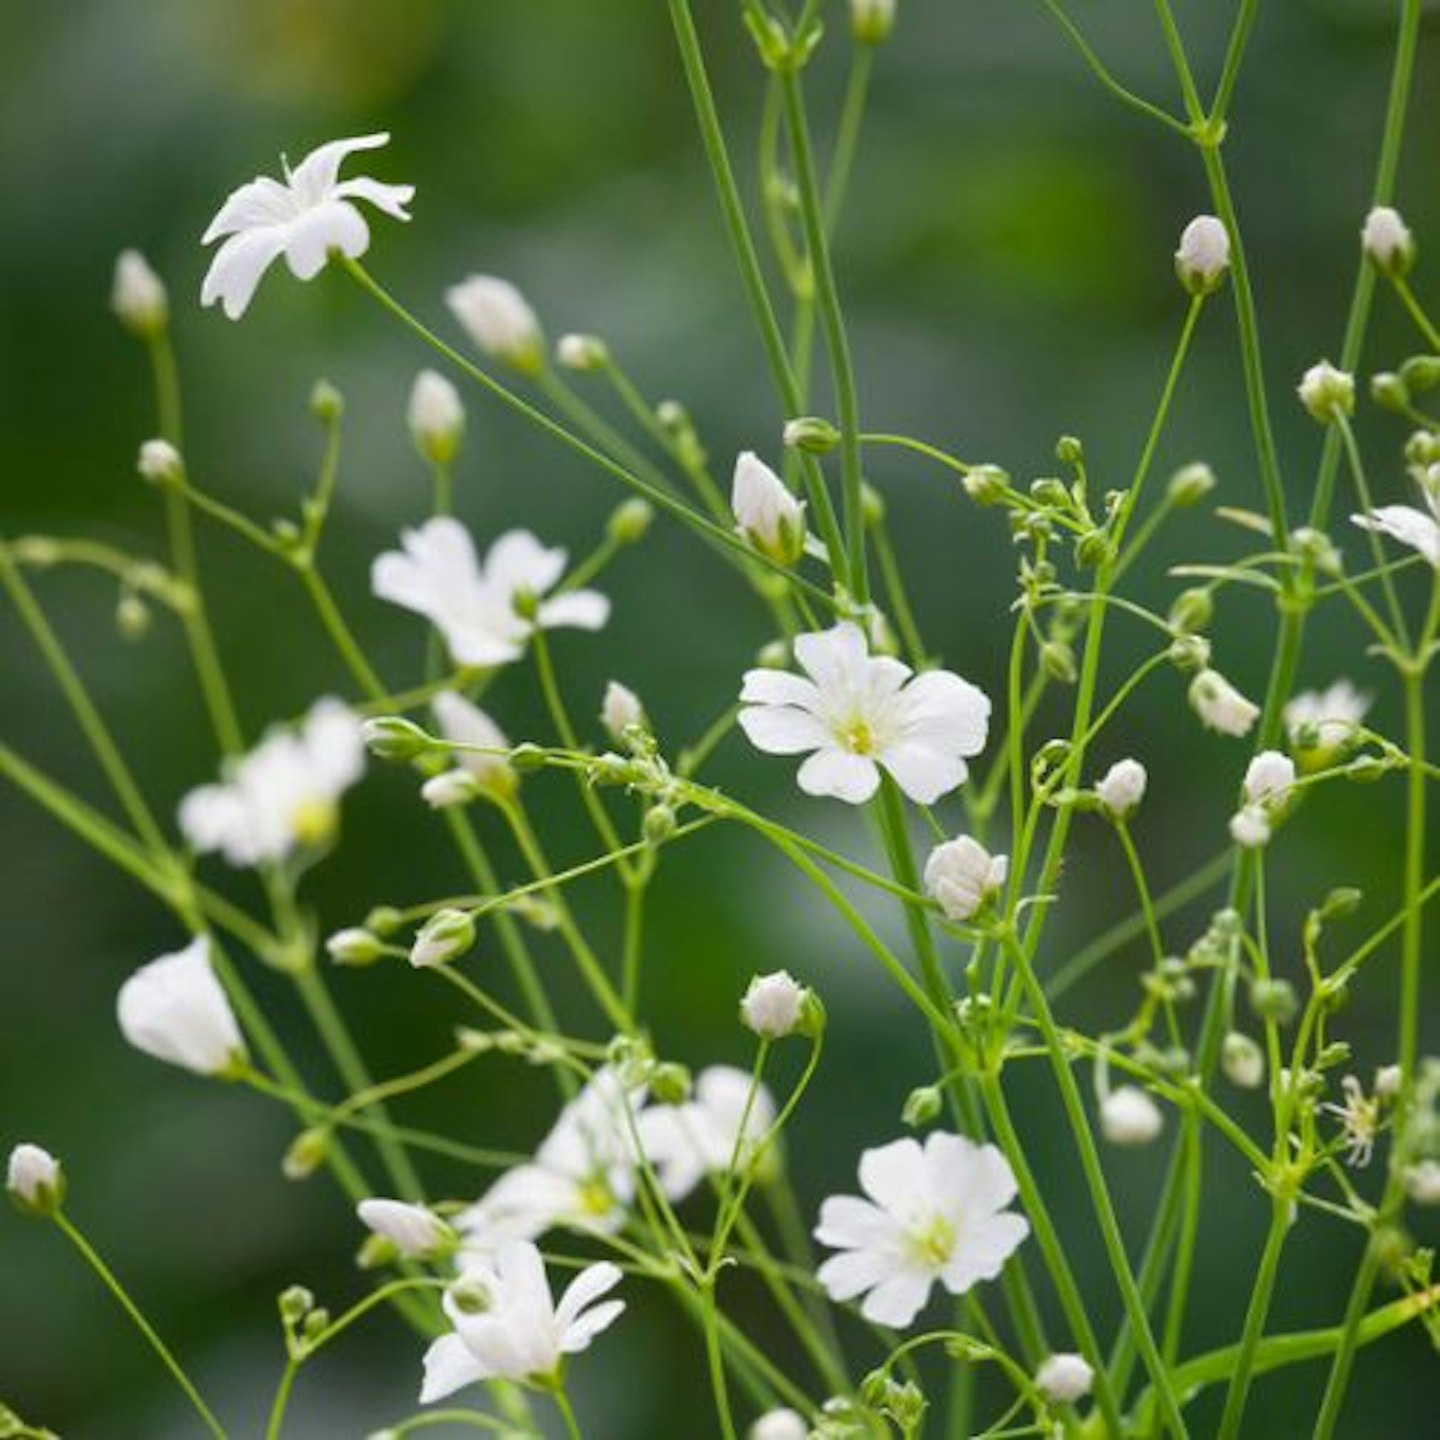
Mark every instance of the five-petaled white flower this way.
pixel 508 1327
pixel 307 217
pixel 1419 529
pixel 477 607
pixel 936 1213
pixel 175 1009
pixel 283 794
pixel 859 713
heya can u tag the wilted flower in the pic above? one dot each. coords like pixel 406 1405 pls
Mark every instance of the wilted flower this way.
pixel 498 318
pixel 1388 243
pixel 859 712
pixel 962 876
pixel 175 1009
pixel 687 1142
pixel 1128 1116
pixel 1327 393
pixel 1064 1378
pixel 415 1232
pixel 935 1212
pixel 477 608
pixel 35 1180
pixel 1220 705
pixel 283 794
pixel 1203 256
pixel 766 513
pixel 507 1326
pixel 436 417
pixel 772 1005
pixel 138 296
pixel 1122 788
pixel 307 218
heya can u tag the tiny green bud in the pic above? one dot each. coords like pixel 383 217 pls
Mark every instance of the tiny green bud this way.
pixel 1242 1060
pixel 872 504
pixel 811 1021
pixel 1343 900
pixel 1367 769
pixel 1327 393
pixel 392 737
pixel 630 521
pixel 1274 1000
pixel 1189 653
pixel 811 434
pixel 1389 391
pixel 384 920
pixel 354 946
pixel 326 402
pixel 659 824
pixel 773 656
pixel 306 1154
pixel 132 616
pixel 315 1324
pixel 871 21
pixel 525 603
pixel 445 936
pixel 1094 548
pixel 582 352
pixel 1069 450
pixel 1050 491
pixel 922 1106
pixel 670 1083
pixel 1057 660
pixel 295 1304
pixel 1192 610
pixel 375 1253
pixel 1420 372
pixel 1190 484
pixel 986 484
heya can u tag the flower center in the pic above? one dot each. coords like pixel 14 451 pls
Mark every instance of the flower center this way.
pixel 313 821
pixel 856 736
pixel 932 1244
pixel 595 1197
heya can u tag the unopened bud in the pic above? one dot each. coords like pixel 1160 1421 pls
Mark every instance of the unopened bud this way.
pixel 160 463
pixel 871 21
pixel 445 936
pixel 1327 393
pixel 392 737
pixel 355 946
pixel 922 1106
pixel 586 353
pixel 307 1153
pixel 630 520
pixel 1191 611
pixel 1242 1060
pixel 1274 1000
pixel 670 1084
pixel 1389 392
pixel 327 404
pixel 436 417
pixel 1203 258
pixel 138 296
pixel 1190 484
pixel 811 434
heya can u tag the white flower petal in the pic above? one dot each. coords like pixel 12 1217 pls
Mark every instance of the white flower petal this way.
pixel 392 199
pixel 590 1284
pixel 778 730
pixel 848 1222
pixel 335 225
pixel 518 561
pixel 892 1175
pixel 898 1299
pixel 836 773
pixel 237 267
pixel 922 772
pixel 583 609
pixel 577 1336
pixel 985 1248
pixel 846 1275
pixel 1408 525
pixel 943 709
pixel 779 687
pixel 449 1366
pixel 260 203
pixel 316 173
pixel 830 656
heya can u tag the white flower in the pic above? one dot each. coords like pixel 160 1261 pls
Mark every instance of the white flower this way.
pixel 687 1142
pixel 962 875
pixel 1387 241
pixel 138 296
pixel 1250 827
pixel 477 607
pixel 772 1004
pixel 1327 393
pixel 1268 778
pixel 1064 1378
pixel 619 710
pixel 35 1180
pixel 1328 716
pixel 415 1232
pixel 307 218
pixel 507 1326
pixel 1128 1116
pixel 285 793
pixel 857 712
pixel 1220 705
pixel 582 1175
pixel 1419 529
pixel 160 463
pixel 1360 1116
pixel 436 417
pixel 1422 1182
pixel 782 1424
pixel 175 1009
pixel 498 318
pixel 463 723
pixel 1203 256
pixel 936 1213
pixel 765 511
pixel 1122 788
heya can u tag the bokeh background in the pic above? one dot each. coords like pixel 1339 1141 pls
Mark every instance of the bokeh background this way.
pixel 1006 266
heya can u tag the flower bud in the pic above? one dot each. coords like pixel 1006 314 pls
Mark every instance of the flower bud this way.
pixel 779 1424
pixel 499 320
pixel 1203 256
pixel 1220 705
pixel 1191 611
pixel 160 463
pixel 1057 660
pixel 811 434
pixel 630 520
pixel 415 1232
pixel 871 21
pixel 295 1304
pixel 355 946
pixel 1388 1081
pixel 35 1180
pixel 620 711
pixel 450 788
pixel 1268 778
pixel 1094 548
pixel 138 296
pixel 436 417
pixel 384 920
pixel 1390 392
pixel 176 1010
pixel 582 352
pixel 306 1153
pixel 1274 1000
pixel 1389 245
pixel 445 936
pixel 1422 1182
pixel 766 513
pixel 1421 372
pixel 487 758
pixel 1327 393
pixel 1064 1378
pixel 1250 827
pixel 327 404
pixel 670 1084
pixel 986 484
pixel 1242 1060
pixel 922 1106
pixel 771 1005
pixel 132 616
pixel 392 737
pixel 963 877
pixel 1190 484
pixel 1122 788
pixel 1128 1116
pixel 659 824
pixel 1189 653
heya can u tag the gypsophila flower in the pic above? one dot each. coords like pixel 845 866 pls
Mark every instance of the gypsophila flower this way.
pixel 859 713
pixel 1122 788
pixel 138 296
pixel 1268 778
pixel 935 1212
pixel 1321 723
pixel 436 417
pixel 1250 827
pixel 35 1180
pixel 1387 241
pixel 1128 1116
pixel 1422 1182
pixel 782 1424
pixel 477 607
pixel 1327 393
pixel 308 217
pixel 1360 1117
pixel 1064 1378
pixel 486 763
pixel 962 876
pixel 765 511
pixel 1220 705
pixel 620 709
pixel 498 318
pixel 160 463
pixel 284 794
pixel 772 1005
pixel 415 1232
pixel 508 1327
pixel 175 1009
pixel 1419 529
pixel 1203 256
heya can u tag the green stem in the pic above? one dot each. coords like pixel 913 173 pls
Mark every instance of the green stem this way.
pixel 562 1404
pixel 1255 1316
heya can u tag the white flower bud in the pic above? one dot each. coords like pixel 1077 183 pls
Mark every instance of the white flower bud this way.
pixel 1203 256
pixel 175 1009
pixel 445 936
pixel 620 710
pixel 1220 705
pixel 138 296
pixel 497 317
pixel 1389 245
pixel 1250 827
pixel 160 463
pixel 1128 1116
pixel 1122 788
pixel 1327 393
pixel 1388 1080
pixel 449 788
pixel 766 513
pixel 436 417
pixel 810 433
pixel 1422 1182
pixel 871 21
pixel 1243 1061
pixel 1064 1378
pixel 35 1180
pixel 1268 778
pixel 582 352
pixel 1191 483
pixel 772 1004
pixel 417 1233
pixel 355 946
pixel 962 875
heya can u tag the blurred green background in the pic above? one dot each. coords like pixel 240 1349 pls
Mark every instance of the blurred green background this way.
pixel 1006 266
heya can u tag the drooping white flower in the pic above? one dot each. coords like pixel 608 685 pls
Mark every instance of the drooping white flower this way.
pixel 781 1424
pixel 35 1180
pixel 498 318
pixel 933 1213
pixel 582 1176
pixel 436 417
pixel 1064 1378
pixel 765 511
pixel 508 1327
pixel 1387 241
pixel 284 794
pixel 962 875
pixel 1220 705
pixel 1268 778
pixel 1419 529
pixel 138 296
pixel 464 723
pixel 687 1142
pixel 1128 1116
pixel 307 217
pixel 772 1004
pixel 1122 788
pixel 620 708
pixel 859 713
pixel 1204 255
pixel 477 607
pixel 416 1232
pixel 1327 393
pixel 175 1009
pixel 1250 826
pixel 1325 720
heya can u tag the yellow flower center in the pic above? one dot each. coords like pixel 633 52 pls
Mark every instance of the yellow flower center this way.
pixel 595 1197
pixel 856 736
pixel 313 822
pixel 932 1244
